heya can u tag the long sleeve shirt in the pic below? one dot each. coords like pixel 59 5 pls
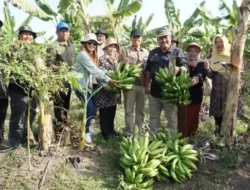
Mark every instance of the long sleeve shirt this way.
pixel 158 59
pixel 86 67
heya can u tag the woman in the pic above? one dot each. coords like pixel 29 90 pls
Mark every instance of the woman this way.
pixel 219 72
pixel 106 101
pixel 197 69
pixel 87 64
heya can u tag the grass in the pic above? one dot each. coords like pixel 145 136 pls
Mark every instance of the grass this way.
pixel 104 171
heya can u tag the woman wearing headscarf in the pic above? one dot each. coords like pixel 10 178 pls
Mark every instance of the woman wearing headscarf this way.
pixel 107 101
pixel 197 72
pixel 87 64
pixel 219 72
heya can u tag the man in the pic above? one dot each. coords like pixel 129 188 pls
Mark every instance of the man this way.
pixel 102 36
pixel 135 99
pixel 62 50
pixel 19 96
pixel 3 103
pixel 160 58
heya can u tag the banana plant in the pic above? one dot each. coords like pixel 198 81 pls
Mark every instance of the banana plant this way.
pixel 33 74
pixel 10 23
pixel 42 10
pixel 148 36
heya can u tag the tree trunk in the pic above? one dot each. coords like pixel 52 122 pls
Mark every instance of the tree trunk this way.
pixel 230 113
pixel 46 127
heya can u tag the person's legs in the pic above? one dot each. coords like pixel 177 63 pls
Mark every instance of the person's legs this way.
pixel 171 115
pixel 18 106
pixel 129 105
pixel 140 106
pixel 3 111
pixel 155 108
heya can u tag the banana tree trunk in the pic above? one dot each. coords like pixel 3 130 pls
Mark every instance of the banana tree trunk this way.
pixel 45 124
pixel 230 114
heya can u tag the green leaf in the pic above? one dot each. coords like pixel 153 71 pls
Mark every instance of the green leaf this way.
pixel 45 7
pixel 27 7
pixel 129 9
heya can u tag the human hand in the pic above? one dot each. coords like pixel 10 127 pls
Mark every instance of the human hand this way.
pixel 177 70
pixel 54 67
pixel 113 82
pixel 206 65
pixel 194 81
pixel 147 90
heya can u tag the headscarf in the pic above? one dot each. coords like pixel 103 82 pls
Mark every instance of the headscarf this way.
pixel 222 57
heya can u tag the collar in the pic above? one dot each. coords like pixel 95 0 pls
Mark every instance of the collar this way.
pixel 134 49
pixel 170 50
pixel 63 43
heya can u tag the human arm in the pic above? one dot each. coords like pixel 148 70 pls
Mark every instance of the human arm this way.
pixel 181 62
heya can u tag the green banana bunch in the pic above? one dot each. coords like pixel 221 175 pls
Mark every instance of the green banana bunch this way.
pixel 175 89
pixel 139 170
pixel 125 77
pixel 180 160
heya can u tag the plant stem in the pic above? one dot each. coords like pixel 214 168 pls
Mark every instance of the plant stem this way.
pixel 28 130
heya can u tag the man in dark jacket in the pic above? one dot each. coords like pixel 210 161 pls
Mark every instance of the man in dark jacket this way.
pixel 19 97
pixel 3 103
pixel 160 57
pixel 62 50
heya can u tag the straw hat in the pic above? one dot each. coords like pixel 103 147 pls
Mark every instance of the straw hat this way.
pixel 111 41
pixel 90 37
pixel 194 45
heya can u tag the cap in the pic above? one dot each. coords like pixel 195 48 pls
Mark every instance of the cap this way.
pixel 135 32
pixel 194 45
pixel 90 37
pixel 61 25
pixel 1 23
pixel 27 29
pixel 111 41
pixel 102 31
pixel 174 39
pixel 163 32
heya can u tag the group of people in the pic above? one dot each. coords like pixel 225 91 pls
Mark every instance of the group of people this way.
pixel 100 54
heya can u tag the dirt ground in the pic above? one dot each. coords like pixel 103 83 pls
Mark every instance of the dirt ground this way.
pixel 98 169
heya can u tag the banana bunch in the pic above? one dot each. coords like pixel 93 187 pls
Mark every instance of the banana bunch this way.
pixel 175 88
pixel 177 160
pixel 139 170
pixel 180 161
pixel 125 77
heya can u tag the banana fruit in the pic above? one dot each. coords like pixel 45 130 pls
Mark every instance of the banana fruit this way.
pixel 125 77
pixel 162 156
pixel 175 89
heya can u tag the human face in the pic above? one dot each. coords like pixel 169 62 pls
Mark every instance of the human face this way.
pixel 91 46
pixel 63 34
pixel 101 38
pixel 136 41
pixel 193 53
pixel 26 36
pixel 219 44
pixel 174 44
pixel 164 42
pixel 111 49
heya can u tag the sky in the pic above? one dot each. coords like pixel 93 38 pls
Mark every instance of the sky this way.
pixel 97 8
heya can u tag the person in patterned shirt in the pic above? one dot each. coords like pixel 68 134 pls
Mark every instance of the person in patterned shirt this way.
pixel 107 101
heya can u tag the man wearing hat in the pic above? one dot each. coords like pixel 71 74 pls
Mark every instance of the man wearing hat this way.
pixel 134 100
pixel 3 103
pixel 19 97
pixel 62 50
pixel 160 58
pixel 102 36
